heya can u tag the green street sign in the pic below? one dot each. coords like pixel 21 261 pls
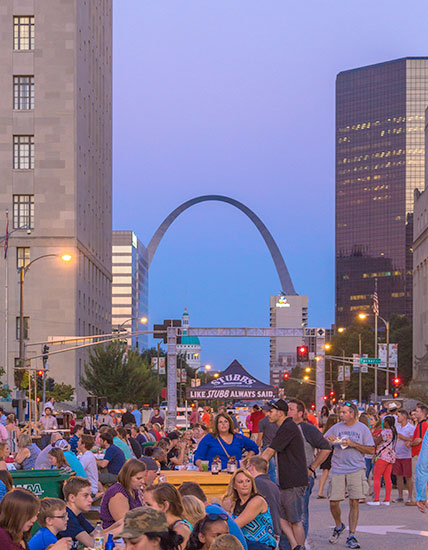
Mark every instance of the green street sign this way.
pixel 368 360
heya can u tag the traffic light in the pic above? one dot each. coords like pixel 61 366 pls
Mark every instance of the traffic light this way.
pixel 302 353
pixel 50 384
pixel 397 386
pixel 325 398
pixel 286 375
pixel 332 393
pixel 160 331
pixel 40 380
pixel 45 352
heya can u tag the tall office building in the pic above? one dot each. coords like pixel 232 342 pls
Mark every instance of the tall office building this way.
pixel 380 160
pixel 55 175
pixel 130 287
pixel 285 312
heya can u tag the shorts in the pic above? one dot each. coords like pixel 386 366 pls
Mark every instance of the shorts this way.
pixel 355 484
pixel 402 467
pixel 292 504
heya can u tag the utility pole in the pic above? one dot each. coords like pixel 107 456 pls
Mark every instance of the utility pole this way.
pixel 360 389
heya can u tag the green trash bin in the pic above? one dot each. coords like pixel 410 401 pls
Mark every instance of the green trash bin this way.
pixel 43 483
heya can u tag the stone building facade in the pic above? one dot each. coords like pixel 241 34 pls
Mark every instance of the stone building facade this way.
pixel 55 174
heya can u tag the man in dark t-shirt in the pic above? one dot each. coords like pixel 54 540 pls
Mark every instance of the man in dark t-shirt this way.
pixel 113 459
pixel 292 471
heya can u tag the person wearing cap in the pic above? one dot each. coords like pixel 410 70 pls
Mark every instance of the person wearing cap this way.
pixel 152 470
pixel 292 471
pixel 71 458
pixel 352 440
pixel 147 528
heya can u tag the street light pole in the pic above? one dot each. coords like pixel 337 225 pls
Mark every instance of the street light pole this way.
pixel 22 271
pixel 375 367
pixel 360 389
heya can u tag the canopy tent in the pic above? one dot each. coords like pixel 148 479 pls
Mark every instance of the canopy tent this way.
pixel 233 383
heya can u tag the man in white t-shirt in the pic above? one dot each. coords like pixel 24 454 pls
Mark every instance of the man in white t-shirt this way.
pixel 402 467
pixel 88 461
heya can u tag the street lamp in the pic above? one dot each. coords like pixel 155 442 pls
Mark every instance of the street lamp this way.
pixel 207 369
pixel 363 317
pixel 22 271
pixel 143 321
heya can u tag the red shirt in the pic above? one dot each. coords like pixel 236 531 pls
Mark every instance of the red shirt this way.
pixel 255 418
pixel 419 432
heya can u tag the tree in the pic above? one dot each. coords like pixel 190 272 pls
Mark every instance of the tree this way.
pixel 4 392
pixel 120 375
pixel 61 392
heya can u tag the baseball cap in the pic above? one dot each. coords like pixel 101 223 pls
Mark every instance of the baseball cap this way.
pixel 143 520
pixel 61 444
pixel 278 404
pixel 150 463
pixel 392 406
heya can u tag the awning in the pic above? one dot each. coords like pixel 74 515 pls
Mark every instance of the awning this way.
pixel 233 383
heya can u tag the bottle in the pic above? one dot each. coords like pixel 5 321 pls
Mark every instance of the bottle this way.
pixel 110 543
pixel 98 535
pixel 216 465
pixel 232 465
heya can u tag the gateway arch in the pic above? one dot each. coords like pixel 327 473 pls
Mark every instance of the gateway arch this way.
pixel 281 268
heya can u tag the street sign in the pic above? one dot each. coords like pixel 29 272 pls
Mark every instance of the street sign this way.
pixel 369 360
pixel 356 362
pixel 364 368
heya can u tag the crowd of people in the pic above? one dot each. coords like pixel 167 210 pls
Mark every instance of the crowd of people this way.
pixel 118 467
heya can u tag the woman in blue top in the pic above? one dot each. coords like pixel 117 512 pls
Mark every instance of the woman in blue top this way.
pixel 224 443
pixel 27 453
pixel 251 512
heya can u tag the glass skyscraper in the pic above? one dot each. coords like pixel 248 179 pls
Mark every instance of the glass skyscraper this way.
pixel 380 159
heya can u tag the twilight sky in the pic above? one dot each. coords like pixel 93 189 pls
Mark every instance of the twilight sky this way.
pixel 236 97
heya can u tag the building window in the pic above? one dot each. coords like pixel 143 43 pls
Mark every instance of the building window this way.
pixel 23 32
pixel 26 327
pixel 22 256
pixel 23 152
pixel 23 211
pixel 23 93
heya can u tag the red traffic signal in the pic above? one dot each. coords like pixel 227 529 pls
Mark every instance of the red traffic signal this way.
pixel 40 373
pixel 38 399
pixel 325 398
pixel 332 393
pixel 286 375
pixel 395 395
pixel 396 381
pixel 302 353
pixel 313 406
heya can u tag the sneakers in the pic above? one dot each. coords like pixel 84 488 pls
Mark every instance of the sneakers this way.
pixel 385 503
pixel 351 542
pixel 373 503
pixel 337 531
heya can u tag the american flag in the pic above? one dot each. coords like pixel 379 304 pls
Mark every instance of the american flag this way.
pixel 6 240
pixel 375 303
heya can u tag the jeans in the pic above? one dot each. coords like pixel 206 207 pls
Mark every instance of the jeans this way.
pixel 254 545
pixel 369 466
pixel 308 493
pixel 271 467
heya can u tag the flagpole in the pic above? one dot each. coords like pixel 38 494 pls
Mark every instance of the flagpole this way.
pixel 376 312
pixel 6 304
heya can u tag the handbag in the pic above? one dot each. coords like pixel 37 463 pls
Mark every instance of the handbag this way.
pixel 374 459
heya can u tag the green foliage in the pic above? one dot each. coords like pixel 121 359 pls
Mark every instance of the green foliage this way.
pixel 61 392
pixel 300 390
pixel 119 376
pixel 4 392
pixel 401 333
